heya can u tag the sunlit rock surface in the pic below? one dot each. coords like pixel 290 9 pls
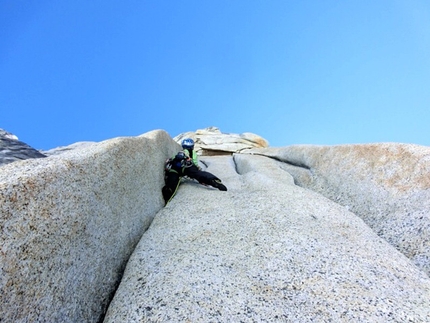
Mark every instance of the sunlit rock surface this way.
pixel 211 141
pixel 386 184
pixel 265 251
pixel 303 234
pixel 70 222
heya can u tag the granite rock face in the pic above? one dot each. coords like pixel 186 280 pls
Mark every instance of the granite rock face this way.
pixel 12 149
pixel 266 250
pixel 70 222
pixel 303 234
pixel 386 184
pixel 211 141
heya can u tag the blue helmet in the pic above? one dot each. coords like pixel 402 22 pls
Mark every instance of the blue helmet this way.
pixel 188 143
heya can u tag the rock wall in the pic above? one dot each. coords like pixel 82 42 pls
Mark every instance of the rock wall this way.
pixel 211 141
pixel 387 185
pixel 284 243
pixel 70 222
pixel 265 251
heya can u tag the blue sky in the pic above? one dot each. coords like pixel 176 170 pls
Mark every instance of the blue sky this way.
pixel 294 72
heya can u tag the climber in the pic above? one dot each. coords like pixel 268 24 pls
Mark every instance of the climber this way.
pixel 182 165
pixel 188 146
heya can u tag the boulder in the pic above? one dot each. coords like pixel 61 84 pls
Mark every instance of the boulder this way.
pixel 386 184
pixel 12 149
pixel 211 141
pixel 266 250
pixel 70 222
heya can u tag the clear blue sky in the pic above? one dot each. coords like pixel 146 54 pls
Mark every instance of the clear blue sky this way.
pixel 294 72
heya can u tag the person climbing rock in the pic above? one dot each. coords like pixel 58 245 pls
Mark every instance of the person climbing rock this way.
pixel 182 165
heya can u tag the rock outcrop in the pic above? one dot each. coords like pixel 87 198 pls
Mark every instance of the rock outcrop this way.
pixel 265 251
pixel 12 149
pixel 70 222
pixel 303 234
pixel 387 185
pixel 211 141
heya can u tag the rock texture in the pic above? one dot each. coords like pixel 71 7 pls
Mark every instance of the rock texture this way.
pixel 303 234
pixel 387 185
pixel 69 223
pixel 11 149
pixel 265 251
pixel 211 141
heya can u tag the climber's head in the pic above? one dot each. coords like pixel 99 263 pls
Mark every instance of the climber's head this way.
pixel 188 143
